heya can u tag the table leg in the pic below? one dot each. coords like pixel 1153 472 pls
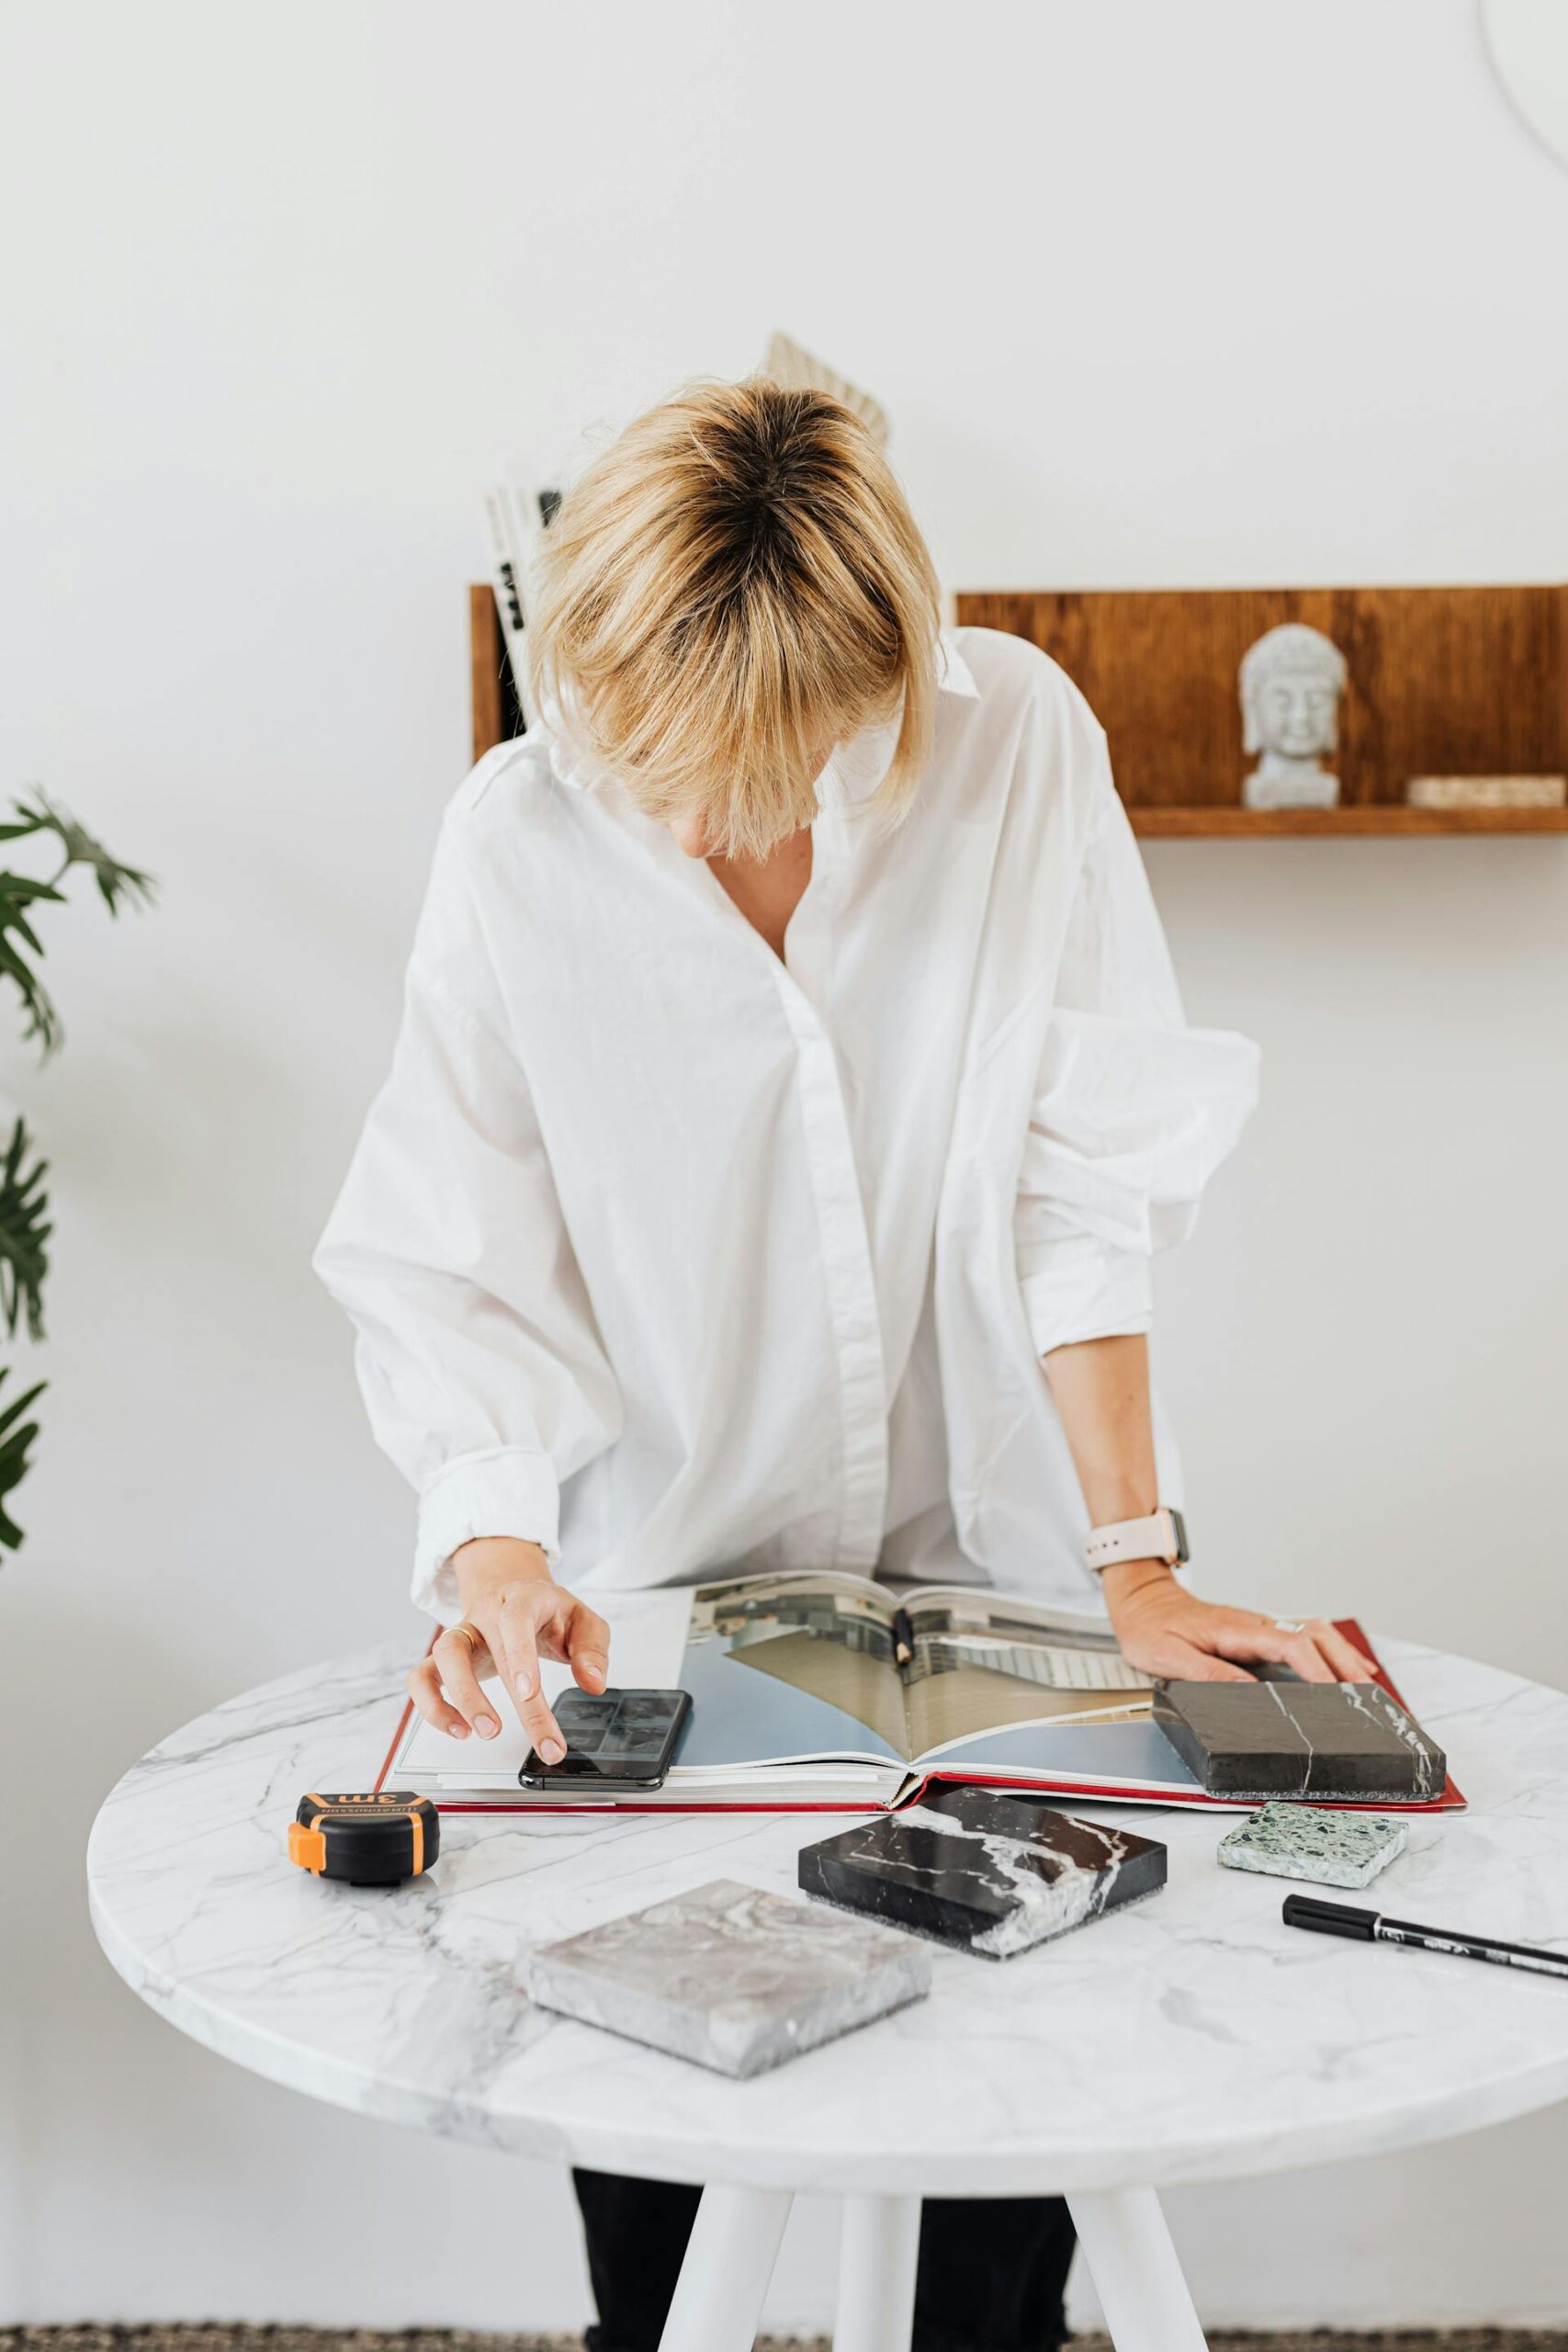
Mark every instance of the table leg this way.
pixel 1135 2271
pixel 734 2245
pixel 876 2274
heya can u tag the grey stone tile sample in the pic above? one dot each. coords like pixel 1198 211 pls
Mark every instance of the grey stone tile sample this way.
pixel 1302 1841
pixel 992 1873
pixel 1299 1739
pixel 729 1976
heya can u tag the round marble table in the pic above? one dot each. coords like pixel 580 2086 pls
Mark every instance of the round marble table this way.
pixel 1192 2037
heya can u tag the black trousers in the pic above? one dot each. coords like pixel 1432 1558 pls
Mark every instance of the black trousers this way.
pixel 991 2275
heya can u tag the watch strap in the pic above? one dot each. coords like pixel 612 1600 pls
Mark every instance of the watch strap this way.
pixel 1161 1536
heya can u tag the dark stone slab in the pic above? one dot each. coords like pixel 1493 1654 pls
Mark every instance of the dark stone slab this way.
pixel 1299 1739
pixel 994 1874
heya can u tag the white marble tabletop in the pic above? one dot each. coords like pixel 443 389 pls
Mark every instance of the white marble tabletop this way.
pixel 1191 2037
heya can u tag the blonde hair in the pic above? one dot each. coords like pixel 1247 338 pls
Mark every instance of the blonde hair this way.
pixel 736 586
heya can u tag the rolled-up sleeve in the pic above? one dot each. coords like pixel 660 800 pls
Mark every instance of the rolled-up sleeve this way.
pixel 1132 1110
pixel 477 1349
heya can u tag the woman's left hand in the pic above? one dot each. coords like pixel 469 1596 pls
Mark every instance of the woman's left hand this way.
pixel 1165 1630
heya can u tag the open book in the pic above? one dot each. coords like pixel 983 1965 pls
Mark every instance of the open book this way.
pixel 822 1690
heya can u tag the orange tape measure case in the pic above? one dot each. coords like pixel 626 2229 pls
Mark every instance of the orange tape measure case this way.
pixel 373 1840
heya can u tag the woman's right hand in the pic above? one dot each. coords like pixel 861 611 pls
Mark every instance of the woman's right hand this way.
pixel 515 1614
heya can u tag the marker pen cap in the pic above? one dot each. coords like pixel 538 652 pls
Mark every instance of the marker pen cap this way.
pixel 1329 1918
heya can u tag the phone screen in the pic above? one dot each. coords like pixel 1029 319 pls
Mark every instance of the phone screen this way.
pixel 621 1739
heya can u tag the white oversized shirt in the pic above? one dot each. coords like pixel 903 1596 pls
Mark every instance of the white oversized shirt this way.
pixel 673 1256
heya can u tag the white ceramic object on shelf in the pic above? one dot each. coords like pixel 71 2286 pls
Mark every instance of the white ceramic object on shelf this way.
pixel 1291 680
pixel 1486 792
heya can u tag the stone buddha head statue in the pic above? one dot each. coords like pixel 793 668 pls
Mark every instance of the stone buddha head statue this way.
pixel 1292 680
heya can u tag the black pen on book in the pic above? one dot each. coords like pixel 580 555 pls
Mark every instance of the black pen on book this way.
pixel 903 1638
pixel 1371 1927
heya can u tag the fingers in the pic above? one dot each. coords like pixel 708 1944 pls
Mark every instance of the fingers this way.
pixel 1348 1663
pixel 1317 1652
pixel 1186 1663
pixel 519 1640
pixel 1303 1653
pixel 451 1661
pixel 1253 1643
pixel 1173 1634
pixel 425 1690
pixel 1173 1658
pixel 588 1647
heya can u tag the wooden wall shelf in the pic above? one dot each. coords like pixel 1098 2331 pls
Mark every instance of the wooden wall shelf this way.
pixel 1389 818
pixel 1443 682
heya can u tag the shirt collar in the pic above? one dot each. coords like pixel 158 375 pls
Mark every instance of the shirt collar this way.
pixel 954 675
pixel 856 768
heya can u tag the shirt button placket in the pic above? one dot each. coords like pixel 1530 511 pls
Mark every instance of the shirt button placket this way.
pixel 846 1247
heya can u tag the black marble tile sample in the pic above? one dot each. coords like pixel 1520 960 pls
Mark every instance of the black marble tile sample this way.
pixel 1299 1739
pixel 992 1873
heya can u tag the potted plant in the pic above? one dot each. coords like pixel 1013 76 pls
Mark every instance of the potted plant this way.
pixel 25 1228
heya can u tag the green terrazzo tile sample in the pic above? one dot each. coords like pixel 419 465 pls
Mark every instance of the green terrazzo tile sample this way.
pixel 1305 1841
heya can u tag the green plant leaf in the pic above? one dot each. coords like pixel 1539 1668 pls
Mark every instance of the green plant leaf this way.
pixel 17 893
pixel 16 1438
pixel 25 1230
pixel 24 1235
pixel 119 884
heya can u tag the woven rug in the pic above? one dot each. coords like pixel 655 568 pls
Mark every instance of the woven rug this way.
pixel 431 2339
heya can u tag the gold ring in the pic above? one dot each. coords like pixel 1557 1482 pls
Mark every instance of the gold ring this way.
pixel 467 1632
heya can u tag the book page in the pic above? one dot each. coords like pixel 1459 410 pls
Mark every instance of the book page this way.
pixel 708 1640
pixel 1089 1626
pixel 984 1660
pixel 792 1666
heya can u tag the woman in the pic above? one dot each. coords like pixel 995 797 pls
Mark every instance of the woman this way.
pixel 792 1090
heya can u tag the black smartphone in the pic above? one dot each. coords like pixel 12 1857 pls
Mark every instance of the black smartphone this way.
pixel 621 1741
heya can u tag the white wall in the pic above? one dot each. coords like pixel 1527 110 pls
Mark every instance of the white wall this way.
pixel 1187 296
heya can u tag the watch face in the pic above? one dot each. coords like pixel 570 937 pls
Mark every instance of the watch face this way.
pixel 1178 1526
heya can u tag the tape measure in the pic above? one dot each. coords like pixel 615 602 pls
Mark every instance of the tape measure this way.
pixel 376 1840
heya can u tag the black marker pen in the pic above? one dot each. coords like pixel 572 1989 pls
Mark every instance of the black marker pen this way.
pixel 1371 1927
